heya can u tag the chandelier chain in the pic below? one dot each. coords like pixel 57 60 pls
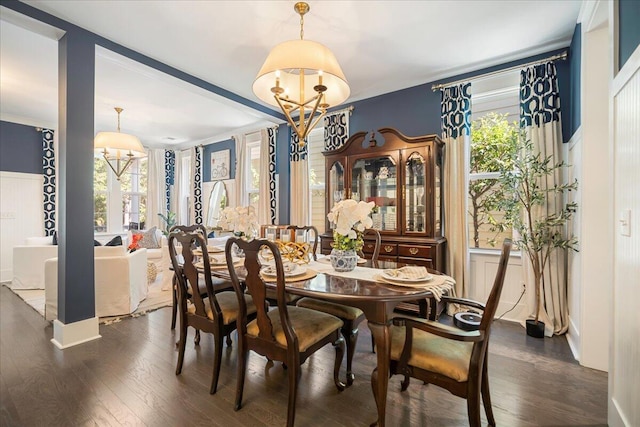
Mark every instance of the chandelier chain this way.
pixel 301 26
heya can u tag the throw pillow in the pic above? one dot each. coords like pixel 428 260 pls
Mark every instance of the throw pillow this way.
pixel 96 243
pixel 55 238
pixel 116 241
pixel 149 239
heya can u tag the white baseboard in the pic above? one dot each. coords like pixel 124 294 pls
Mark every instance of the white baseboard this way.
pixel 70 334
pixel 615 417
pixel 573 338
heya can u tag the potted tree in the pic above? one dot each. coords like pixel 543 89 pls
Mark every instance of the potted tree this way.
pixel 538 215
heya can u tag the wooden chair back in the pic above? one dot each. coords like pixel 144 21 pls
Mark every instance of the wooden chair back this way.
pixel 312 237
pixel 256 287
pixel 377 244
pixel 187 275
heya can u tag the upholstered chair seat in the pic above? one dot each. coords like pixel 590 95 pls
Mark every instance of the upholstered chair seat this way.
pixel 342 311
pixel 228 303
pixel 433 353
pixel 310 326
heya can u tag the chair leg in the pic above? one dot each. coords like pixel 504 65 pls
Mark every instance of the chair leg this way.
pixel 473 407
pixel 486 396
pixel 229 342
pixel 217 360
pixel 373 344
pixel 339 346
pixel 181 345
pixel 174 310
pixel 196 340
pixel 294 378
pixel 242 368
pixel 350 335
pixel 405 383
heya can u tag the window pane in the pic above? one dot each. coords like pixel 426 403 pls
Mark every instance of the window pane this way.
pixel 254 156
pixel 134 207
pixel 253 200
pixel 484 219
pixel 100 195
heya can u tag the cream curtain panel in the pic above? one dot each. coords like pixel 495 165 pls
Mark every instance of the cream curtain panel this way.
pixel 300 203
pixel 540 120
pixel 156 199
pixel 456 130
pixel 242 198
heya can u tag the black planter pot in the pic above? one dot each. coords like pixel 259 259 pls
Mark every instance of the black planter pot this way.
pixel 534 329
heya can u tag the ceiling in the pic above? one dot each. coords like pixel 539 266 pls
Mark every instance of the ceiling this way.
pixel 382 46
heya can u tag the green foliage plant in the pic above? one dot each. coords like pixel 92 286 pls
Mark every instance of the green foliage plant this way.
pixel 540 230
pixel 494 141
pixel 169 221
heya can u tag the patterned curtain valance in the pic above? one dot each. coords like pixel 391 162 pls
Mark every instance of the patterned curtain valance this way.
pixel 49 185
pixel 539 96
pixel 455 113
pixel 297 152
pixel 169 175
pixel 336 129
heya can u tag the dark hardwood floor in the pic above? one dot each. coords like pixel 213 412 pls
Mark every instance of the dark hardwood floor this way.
pixel 128 378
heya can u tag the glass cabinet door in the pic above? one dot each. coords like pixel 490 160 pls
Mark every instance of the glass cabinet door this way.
pixel 415 206
pixel 375 179
pixel 335 184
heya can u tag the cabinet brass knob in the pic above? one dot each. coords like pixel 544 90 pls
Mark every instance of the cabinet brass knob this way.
pixel 413 251
pixel 388 248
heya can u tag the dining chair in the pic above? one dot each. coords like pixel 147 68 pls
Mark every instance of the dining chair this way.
pixel 448 357
pixel 311 234
pixel 288 334
pixel 185 229
pixel 350 316
pixel 214 312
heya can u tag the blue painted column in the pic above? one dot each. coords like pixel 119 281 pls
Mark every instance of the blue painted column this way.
pixel 76 75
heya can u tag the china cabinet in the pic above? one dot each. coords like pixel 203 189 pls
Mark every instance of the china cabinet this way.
pixel 404 177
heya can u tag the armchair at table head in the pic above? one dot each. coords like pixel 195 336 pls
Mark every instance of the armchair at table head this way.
pixel 206 310
pixel 286 333
pixel 376 245
pixel 449 357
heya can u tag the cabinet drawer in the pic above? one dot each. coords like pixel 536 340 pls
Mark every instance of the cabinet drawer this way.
pixel 415 251
pixel 388 249
pixel 426 262
pixel 368 247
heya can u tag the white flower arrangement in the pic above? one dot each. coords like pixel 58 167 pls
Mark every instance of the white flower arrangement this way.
pixel 242 220
pixel 351 219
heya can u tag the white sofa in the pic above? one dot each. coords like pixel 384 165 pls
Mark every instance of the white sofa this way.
pixel 159 256
pixel 120 281
pixel 28 262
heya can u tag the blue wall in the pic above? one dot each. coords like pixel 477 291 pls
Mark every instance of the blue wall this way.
pixel 416 110
pixel 628 29
pixel 572 116
pixel 20 148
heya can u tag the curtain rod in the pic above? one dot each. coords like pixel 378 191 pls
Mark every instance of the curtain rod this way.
pixel 561 56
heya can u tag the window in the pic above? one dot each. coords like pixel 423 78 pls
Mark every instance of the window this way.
pixel 252 180
pixel 119 205
pixel 133 184
pixel 315 144
pixel 100 196
pixel 494 132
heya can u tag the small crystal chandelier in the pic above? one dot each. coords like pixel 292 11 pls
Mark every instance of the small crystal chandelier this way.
pixel 295 69
pixel 118 149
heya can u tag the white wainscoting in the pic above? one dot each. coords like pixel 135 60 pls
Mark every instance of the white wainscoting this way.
pixel 21 215
pixel 484 265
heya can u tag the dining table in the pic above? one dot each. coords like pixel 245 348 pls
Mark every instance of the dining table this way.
pixel 366 289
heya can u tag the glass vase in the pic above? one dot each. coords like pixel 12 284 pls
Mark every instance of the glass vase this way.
pixel 343 260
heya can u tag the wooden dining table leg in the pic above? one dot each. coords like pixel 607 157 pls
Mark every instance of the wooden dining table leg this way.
pixel 380 376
